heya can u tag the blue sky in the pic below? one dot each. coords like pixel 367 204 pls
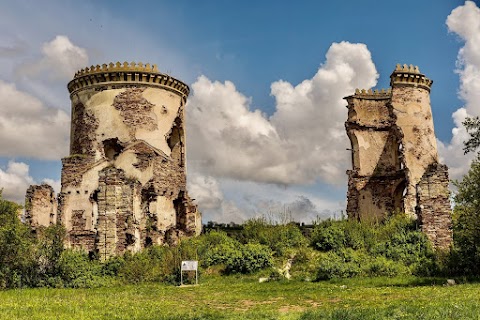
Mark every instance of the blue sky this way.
pixel 253 55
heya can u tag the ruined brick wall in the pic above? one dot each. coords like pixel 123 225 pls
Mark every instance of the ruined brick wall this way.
pixel 124 182
pixel 377 178
pixel 433 206
pixel 394 156
pixel 40 206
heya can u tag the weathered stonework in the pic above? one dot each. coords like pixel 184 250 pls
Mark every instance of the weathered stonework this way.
pixel 124 183
pixel 394 156
pixel 433 205
pixel 40 206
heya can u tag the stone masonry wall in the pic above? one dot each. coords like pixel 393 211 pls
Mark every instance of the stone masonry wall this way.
pixel 394 156
pixel 433 206
pixel 40 206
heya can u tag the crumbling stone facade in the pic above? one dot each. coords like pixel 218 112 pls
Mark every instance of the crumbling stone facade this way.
pixel 40 206
pixel 124 182
pixel 394 156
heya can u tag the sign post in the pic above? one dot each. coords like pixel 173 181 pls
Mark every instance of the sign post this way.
pixel 189 265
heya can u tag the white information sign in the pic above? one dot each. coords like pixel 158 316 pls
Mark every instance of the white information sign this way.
pixel 189 265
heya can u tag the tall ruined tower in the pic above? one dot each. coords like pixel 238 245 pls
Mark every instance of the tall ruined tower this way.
pixel 124 183
pixel 394 156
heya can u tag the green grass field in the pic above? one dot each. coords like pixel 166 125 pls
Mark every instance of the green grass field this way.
pixel 244 298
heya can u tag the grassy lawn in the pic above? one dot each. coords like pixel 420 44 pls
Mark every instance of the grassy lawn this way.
pixel 245 298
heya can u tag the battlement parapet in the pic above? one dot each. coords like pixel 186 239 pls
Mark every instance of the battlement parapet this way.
pixel 409 75
pixel 373 94
pixel 125 73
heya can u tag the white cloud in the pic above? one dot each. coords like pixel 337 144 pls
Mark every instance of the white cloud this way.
pixel 56 184
pixel 60 60
pixel 205 190
pixel 228 200
pixel 14 181
pixel 304 140
pixel 28 128
pixel 465 22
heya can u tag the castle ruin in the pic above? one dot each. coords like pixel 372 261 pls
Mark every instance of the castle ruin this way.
pixel 124 182
pixel 394 156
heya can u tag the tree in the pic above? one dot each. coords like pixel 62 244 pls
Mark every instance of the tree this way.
pixel 472 125
pixel 466 214
pixel 466 222
pixel 17 263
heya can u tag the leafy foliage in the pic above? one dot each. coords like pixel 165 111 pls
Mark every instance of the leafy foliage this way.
pixel 393 247
pixel 333 249
pixel 17 255
pixel 279 238
pixel 466 223
pixel 472 125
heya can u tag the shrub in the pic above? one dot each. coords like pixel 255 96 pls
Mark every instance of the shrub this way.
pixel 216 248
pixel 383 267
pixel 249 258
pixel 358 235
pixel 406 246
pixel 331 265
pixel 279 238
pixel 76 270
pixel 328 235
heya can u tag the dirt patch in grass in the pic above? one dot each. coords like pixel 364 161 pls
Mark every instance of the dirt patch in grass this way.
pixel 291 308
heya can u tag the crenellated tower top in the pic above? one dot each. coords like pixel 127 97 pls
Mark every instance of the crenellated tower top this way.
pixel 409 75
pixel 123 74
pixel 374 94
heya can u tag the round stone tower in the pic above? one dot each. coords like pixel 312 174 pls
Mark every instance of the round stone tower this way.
pixel 410 103
pixel 124 183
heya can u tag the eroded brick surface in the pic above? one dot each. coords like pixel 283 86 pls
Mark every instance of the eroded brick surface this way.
pixel 40 206
pixel 135 109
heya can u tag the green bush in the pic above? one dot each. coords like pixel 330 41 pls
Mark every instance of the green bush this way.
pixel 155 264
pixel 405 245
pixel 383 267
pixel 348 263
pixel 358 235
pixel 328 235
pixel 249 258
pixel 216 248
pixel 393 247
pixel 18 263
pixel 279 238
pixel 76 270
pixel 332 265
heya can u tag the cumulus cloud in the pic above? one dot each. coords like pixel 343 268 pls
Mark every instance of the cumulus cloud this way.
pixel 304 140
pixel 465 22
pixel 14 180
pixel 56 184
pixel 60 60
pixel 205 190
pixel 228 200
pixel 28 128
